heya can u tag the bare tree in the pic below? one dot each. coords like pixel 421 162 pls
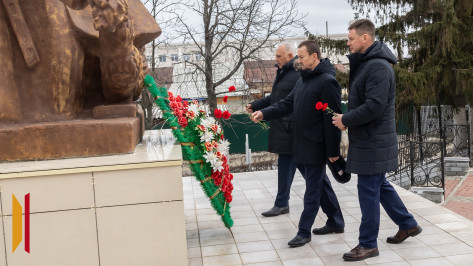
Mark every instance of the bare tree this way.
pixel 231 32
pixel 165 12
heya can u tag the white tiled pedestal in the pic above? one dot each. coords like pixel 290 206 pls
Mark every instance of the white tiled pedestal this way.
pixel 108 210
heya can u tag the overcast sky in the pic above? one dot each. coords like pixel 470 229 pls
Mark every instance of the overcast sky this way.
pixel 338 14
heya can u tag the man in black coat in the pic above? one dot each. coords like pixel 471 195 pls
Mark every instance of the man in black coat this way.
pixel 372 137
pixel 315 138
pixel 280 132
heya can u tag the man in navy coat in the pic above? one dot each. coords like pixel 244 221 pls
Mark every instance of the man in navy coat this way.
pixel 280 133
pixel 372 137
pixel 315 138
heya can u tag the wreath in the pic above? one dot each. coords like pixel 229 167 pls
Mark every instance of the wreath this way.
pixel 202 143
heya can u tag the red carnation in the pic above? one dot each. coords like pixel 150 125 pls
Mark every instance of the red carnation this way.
pixel 182 121
pixel 178 98
pixel 225 99
pixel 231 88
pixel 324 106
pixel 185 104
pixel 226 114
pixel 218 113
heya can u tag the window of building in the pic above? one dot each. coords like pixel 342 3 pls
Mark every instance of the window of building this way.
pixel 162 58
pixel 187 57
pixel 198 56
pixel 174 57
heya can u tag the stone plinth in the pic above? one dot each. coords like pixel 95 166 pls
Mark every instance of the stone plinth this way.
pixel 457 166
pixel 109 210
pixel 76 138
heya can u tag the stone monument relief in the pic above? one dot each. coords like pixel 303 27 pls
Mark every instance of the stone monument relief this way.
pixel 70 73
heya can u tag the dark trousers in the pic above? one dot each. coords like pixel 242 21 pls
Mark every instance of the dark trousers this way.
pixel 373 190
pixel 318 192
pixel 286 171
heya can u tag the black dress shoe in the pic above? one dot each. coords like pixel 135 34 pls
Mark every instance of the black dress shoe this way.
pixel 298 241
pixel 360 253
pixel 275 211
pixel 327 230
pixel 402 235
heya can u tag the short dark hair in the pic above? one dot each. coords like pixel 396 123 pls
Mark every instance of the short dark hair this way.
pixel 363 26
pixel 311 46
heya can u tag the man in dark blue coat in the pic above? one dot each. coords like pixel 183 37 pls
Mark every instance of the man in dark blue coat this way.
pixel 280 132
pixel 315 138
pixel 372 137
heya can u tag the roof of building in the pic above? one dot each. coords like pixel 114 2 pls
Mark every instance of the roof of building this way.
pixel 260 71
pixel 163 75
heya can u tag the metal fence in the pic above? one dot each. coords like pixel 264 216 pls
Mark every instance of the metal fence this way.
pixel 236 128
pixel 457 141
pixel 426 166
pixel 425 137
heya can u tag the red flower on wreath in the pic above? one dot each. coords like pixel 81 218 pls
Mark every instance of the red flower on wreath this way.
pixel 182 121
pixel 171 97
pixel 208 146
pixel 231 88
pixel 225 99
pixel 214 128
pixel 229 198
pixel 174 105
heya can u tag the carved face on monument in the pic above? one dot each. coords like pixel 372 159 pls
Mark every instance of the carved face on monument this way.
pixel 108 14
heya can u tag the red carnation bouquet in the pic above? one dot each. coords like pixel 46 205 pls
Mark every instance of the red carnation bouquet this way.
pixel 324 107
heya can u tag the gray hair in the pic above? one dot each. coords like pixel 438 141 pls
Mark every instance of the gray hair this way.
pixel 289 48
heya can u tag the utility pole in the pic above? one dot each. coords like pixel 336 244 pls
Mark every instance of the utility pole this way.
pixel 326 28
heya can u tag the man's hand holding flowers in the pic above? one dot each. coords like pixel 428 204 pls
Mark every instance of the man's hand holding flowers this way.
pixel 249 109
pixel 337 121
pixel 336 118
pixel 257 116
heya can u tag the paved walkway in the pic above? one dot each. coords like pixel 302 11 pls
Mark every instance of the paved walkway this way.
pixel 447 238
pixel 459 195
